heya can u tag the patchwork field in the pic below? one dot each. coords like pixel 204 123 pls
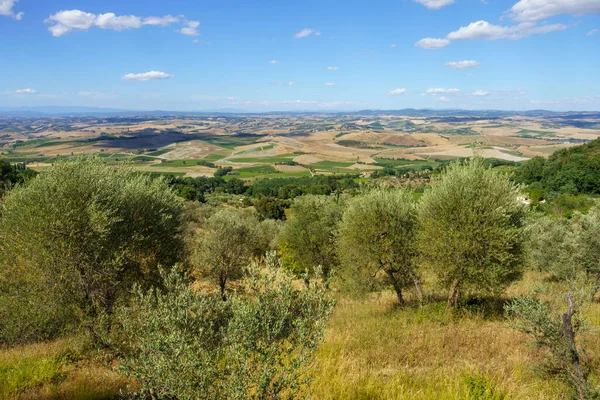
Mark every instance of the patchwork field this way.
pixel 291 145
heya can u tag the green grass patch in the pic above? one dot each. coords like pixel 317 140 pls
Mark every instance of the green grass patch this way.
pixel 213 157
pixel 180 163
pixel 159 152
pixel 529 133
pixel 266 160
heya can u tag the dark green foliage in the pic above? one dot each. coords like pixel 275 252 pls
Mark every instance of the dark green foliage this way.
pixel 573 170
pixel 223 171
pixel 271 208
pixel 75 239
pixel 289 188
pixel 11 175
pixel 179 343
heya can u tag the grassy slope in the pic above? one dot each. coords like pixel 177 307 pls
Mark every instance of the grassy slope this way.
pixel 372 351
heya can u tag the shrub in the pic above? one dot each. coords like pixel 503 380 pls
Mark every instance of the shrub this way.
pixel 183 344
pixel 557 333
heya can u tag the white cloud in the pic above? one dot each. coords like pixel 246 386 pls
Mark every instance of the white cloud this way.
pixel 462 64
pixel 397 92
pixel 118 23
pixel 444 98
pixel 6 9
pixel 435 4
pixel 330 84
pixel 26 91
pixel 536 10
pixel 332 68
pixel 393 45
pixel 306 32
pixel 481 93
pixel 146 76
pixel 291 83
pixel 66 21
pixel 593 32
pixel 439 91
pixel 195 41
pixel 485 30
pixel 190 28
pixel 432 43
pixel 161 21
pixel 274 62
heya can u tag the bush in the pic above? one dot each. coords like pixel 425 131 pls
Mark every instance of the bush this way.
pixel 75 240
pixel 182 344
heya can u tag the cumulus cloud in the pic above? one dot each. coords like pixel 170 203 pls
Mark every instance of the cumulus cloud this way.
pixel 26 91
pixel 462 64
pixel 485 30
pixel 439 91
pixel 6 9
pixel 393 45
pixel 432 43
pixel 274 62
pixel 435 4
pixel 537 10
pixel 306 32
pixel 593 32
pixel 66 21
pixel 332 68
pixel 330 84
pixel 480 93
pixel 291 83
pixel 444 98
pixel 118 23
pixel 190 28
pixel 146 76
pixel 397 92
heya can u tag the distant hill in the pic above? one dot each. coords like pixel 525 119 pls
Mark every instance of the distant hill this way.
pixel 442 115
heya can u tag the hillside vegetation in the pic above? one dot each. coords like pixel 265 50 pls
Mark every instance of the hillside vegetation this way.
pixel 436 283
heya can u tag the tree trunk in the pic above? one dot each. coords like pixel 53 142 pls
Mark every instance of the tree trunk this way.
pixel 577 375
pixel 454 294
pixel 417 281
pixel 397 287
pixel 222 283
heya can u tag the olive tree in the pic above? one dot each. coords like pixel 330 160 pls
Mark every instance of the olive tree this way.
pixel 472 229
pixel 228 244
pixel 77 238
pixel 378 233
pixel 308 238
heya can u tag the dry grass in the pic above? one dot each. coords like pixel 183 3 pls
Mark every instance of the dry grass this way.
pixel 372 350
pixel 62 369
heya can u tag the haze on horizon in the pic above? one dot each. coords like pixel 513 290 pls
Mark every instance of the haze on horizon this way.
pixel 186 56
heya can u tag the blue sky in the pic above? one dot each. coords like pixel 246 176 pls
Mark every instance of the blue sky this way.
pixel 308 55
